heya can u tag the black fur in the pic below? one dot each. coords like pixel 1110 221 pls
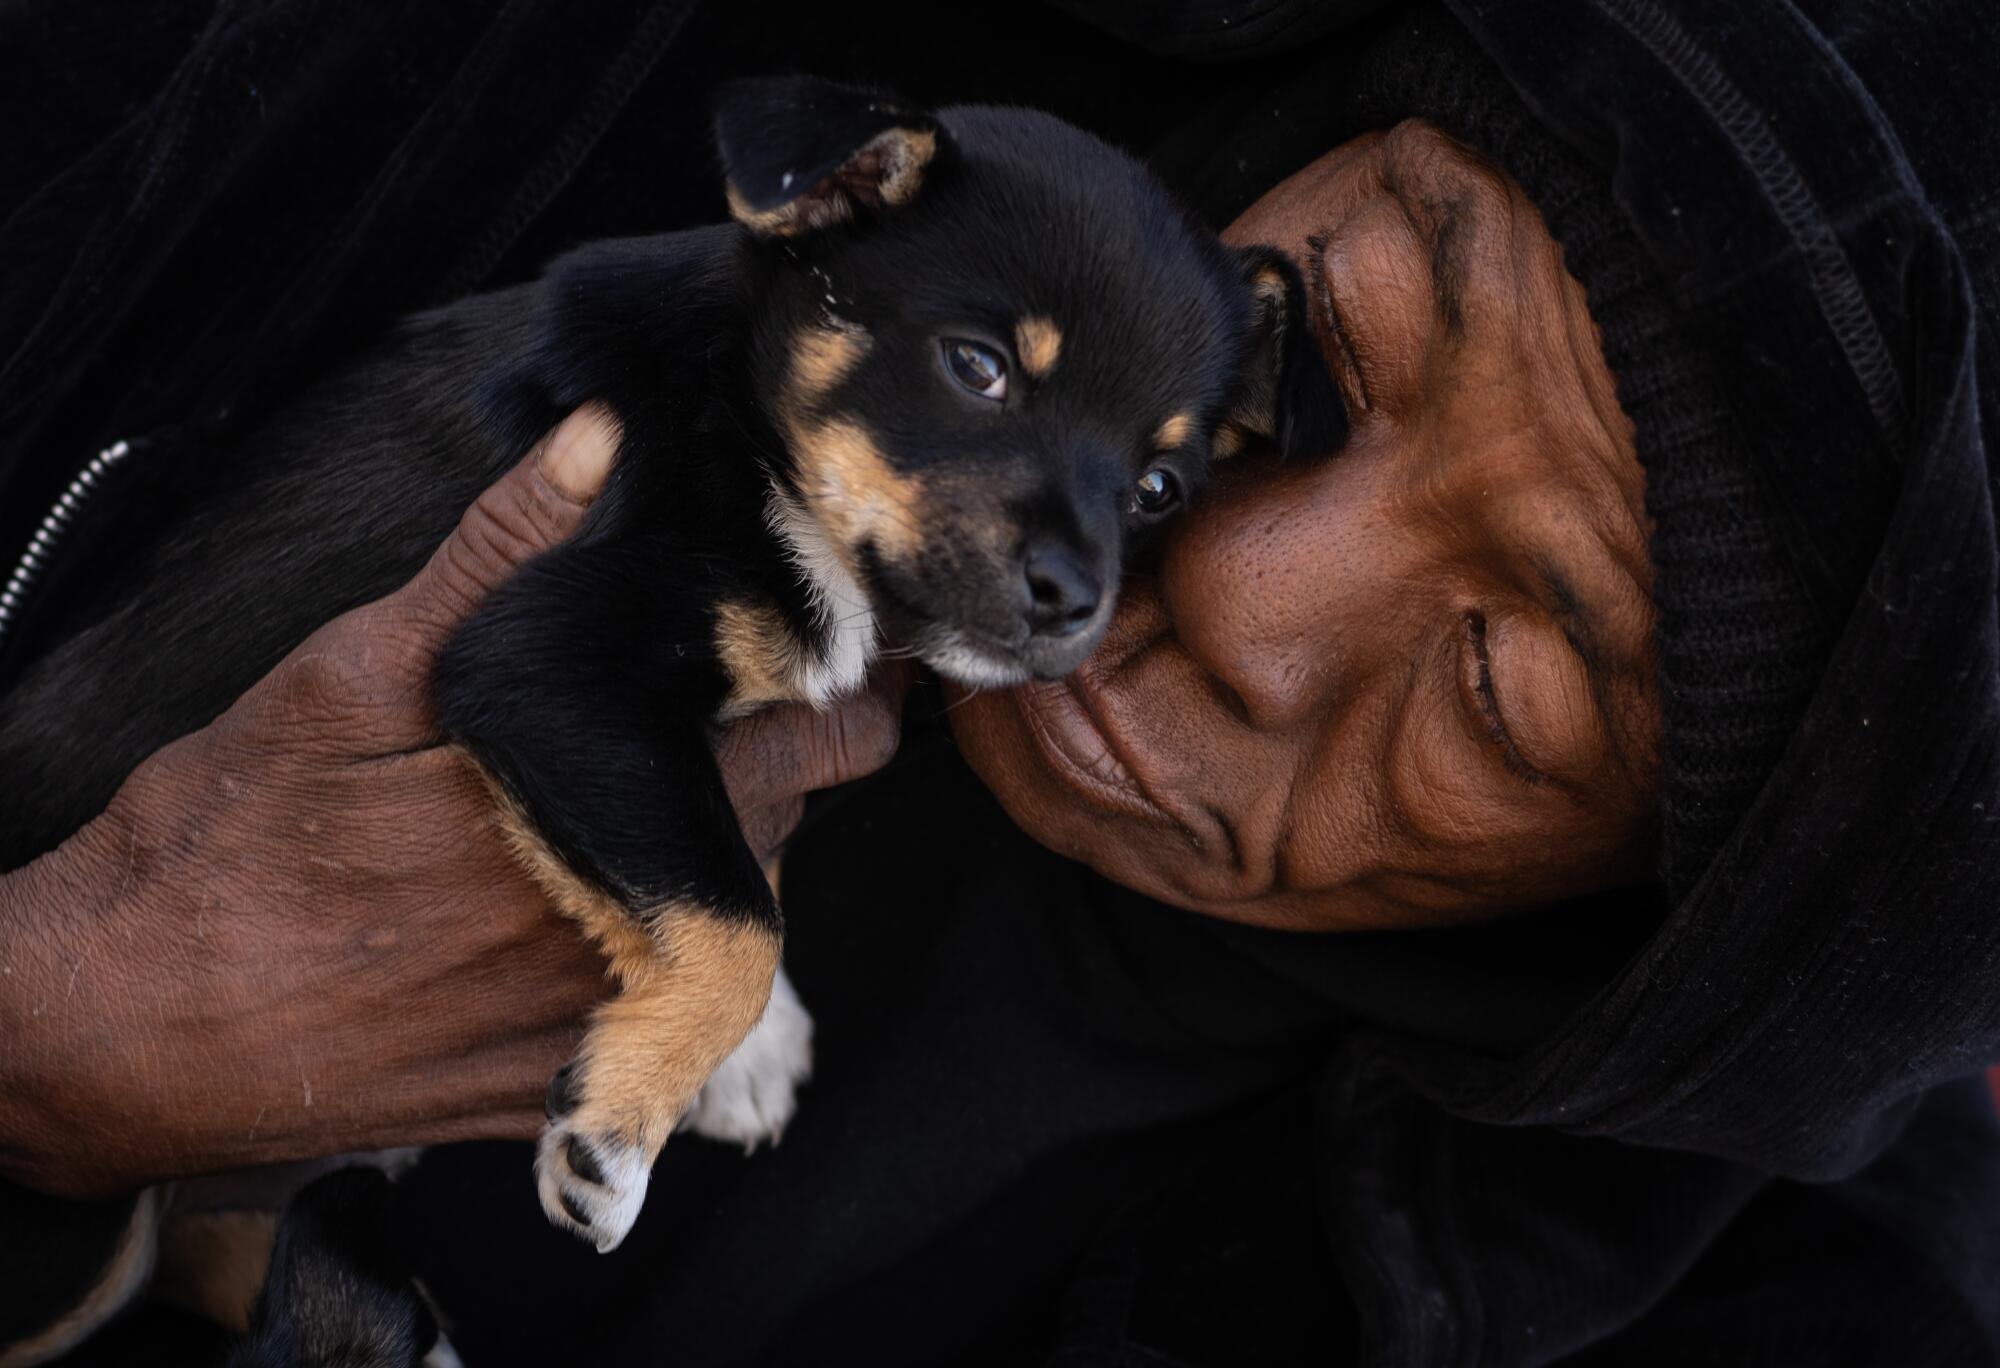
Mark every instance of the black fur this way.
pixel 339 1293
pixel 589 684
pixel 781 137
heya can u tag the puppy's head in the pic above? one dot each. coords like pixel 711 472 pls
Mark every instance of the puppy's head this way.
pixel 996 350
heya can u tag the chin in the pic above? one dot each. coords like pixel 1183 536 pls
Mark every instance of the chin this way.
pixel 965 662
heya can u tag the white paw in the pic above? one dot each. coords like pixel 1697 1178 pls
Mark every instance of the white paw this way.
pixel 592 1186
pixel 753 1095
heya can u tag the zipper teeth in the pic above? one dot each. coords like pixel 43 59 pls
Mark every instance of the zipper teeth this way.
pixel 60 515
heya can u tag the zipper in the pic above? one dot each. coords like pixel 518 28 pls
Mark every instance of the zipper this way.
pixel 61 515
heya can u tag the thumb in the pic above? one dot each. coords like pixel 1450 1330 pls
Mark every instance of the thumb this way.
pixel 531 508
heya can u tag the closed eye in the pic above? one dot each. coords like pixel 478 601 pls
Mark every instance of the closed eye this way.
pixel 1337 339
pixel 1489 702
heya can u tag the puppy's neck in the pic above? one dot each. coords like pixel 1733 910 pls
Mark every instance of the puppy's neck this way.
pixel 842 612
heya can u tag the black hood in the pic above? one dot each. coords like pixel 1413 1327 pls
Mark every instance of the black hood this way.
pixel 1814 192
pixel 1841 278
pixel 1816 187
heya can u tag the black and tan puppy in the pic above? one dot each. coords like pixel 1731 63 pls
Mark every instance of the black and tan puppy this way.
pixel 960 355
pixel 925 388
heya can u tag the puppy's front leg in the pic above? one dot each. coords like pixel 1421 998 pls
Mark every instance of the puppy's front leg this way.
pixel 570 689
pixel 692 985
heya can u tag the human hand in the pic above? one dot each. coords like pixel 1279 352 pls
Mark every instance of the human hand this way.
pixel 298 931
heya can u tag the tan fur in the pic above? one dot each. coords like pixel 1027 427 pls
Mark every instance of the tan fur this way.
pixel 597 912
pixel 821 358
pixel 807 214
pixel 692 984
pixel 213 1262
pixel 1038 342
pixel 848 486
pixel 854 492
pixel 887 170
pixel 1256 407
pixel 764 657
pixel 1268 285
pixel 905 154
pixel 684 1007
pixel 130 1265
pixel 1228 442
pixel 1173 432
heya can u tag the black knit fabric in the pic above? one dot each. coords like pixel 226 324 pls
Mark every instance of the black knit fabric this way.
pixel 1741 644
pixel 1050 1122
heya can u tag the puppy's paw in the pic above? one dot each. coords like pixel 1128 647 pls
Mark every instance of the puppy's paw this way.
pixel 753 1095
pixel 591 1184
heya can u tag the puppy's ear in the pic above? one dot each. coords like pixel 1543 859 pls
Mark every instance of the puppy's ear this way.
pixel 1289 395
pixel 802 154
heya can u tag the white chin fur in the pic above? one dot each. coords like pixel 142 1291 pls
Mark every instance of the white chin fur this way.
pixel 952 656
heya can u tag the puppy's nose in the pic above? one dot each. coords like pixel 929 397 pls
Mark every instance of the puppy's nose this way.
pixel 1062 591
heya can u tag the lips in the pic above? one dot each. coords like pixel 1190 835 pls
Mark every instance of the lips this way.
pixel 1068 723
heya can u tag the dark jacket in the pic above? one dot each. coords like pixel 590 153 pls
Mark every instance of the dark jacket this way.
pixel 1051 1120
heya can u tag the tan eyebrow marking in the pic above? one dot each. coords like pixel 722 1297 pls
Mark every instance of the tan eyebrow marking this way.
pixel 1038 342
pixel 1173 432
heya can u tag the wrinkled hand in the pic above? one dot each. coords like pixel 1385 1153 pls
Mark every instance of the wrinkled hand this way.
pixel 298 932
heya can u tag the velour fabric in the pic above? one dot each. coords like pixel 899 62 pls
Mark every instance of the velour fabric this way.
pixel 1727 1116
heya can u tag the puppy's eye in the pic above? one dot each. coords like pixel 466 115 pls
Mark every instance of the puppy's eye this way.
pixel 977 367
pixel 1157 492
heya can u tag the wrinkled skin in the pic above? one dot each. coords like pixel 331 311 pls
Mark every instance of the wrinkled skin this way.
pixel 297 931
pixel 1289 723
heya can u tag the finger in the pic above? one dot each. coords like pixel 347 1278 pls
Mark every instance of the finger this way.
pixel 792 749
pixel 768 828
pixel 361 682
pixel 531 508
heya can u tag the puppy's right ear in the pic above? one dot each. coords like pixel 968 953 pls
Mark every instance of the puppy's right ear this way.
pixel 802 154
pixel 1289 396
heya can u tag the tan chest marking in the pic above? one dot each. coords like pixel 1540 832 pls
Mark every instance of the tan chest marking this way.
pixel 766 661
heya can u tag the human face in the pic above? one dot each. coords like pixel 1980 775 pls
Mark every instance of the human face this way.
pixel 1411 682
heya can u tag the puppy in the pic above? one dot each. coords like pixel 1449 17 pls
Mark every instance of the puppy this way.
pixel 936 373
pixel 959 357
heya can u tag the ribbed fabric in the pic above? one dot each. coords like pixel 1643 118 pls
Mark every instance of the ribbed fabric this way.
pixel 1741 647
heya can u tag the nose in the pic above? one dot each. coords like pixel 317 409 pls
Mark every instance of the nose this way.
pixel 1286 597
pixel 1063 592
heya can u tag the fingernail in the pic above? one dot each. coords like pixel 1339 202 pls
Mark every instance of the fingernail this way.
pixel 577 456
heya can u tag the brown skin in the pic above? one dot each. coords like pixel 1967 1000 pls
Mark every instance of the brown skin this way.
pixel 297 931
pixel 1291 730
pixel 1289 725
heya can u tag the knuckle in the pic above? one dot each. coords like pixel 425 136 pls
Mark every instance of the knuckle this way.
pixel 337 678
pixel 508 525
